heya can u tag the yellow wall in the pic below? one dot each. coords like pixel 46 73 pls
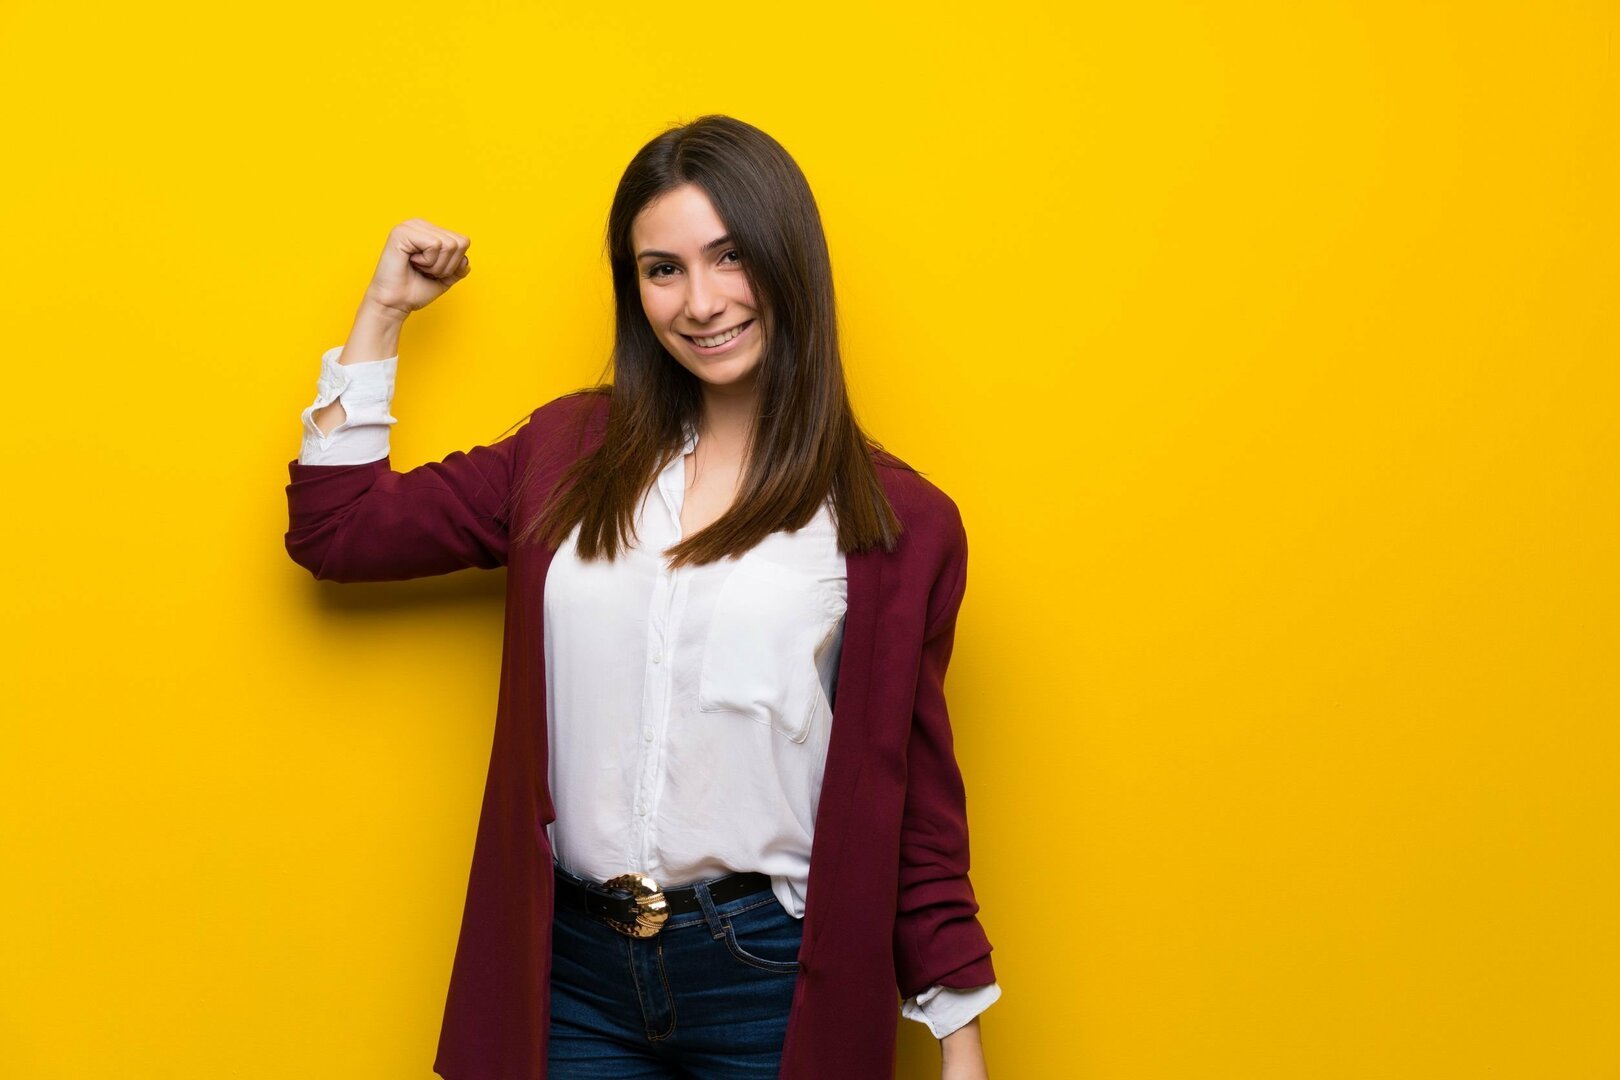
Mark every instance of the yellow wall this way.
pixel 1268 349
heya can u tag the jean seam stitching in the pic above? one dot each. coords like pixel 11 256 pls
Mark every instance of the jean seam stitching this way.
pixel 635 979
pixel 669 995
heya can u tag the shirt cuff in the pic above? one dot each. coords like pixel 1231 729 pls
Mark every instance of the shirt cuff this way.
pixel 945 1008
pixel 366 390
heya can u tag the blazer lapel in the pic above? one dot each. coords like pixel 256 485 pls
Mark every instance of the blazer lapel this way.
pixel 847 748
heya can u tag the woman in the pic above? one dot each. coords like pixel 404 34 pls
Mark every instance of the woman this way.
pixel 684 866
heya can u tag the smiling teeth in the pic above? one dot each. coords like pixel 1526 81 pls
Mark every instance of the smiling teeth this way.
pixel 709 343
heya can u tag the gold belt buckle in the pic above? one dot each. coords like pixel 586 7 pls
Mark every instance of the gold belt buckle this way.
pixel 652 910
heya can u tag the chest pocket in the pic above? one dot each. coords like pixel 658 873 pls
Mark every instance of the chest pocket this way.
pixel 759 658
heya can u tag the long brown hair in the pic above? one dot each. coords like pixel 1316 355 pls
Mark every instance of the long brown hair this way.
pixel 805 443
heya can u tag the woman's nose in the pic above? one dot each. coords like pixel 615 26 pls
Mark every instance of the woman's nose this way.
pixel 703 299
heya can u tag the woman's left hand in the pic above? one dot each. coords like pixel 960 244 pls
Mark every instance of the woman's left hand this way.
pixel 963 1054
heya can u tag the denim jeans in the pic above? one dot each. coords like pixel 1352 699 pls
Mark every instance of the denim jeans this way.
pixel 706 997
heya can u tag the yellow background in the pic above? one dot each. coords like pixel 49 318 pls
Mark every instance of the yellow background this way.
pixel 1268 349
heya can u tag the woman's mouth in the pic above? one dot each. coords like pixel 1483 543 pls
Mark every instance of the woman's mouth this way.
pixel 719 343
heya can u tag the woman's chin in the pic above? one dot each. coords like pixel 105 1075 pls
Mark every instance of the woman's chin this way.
pixel 724 370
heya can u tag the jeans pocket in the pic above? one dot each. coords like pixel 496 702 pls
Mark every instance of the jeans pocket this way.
pixel 765 937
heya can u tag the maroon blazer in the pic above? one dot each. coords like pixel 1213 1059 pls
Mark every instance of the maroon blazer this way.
pixel 889 909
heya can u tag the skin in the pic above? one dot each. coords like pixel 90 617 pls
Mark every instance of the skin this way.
pixel 963 1054
pixel 687 290
pixel 420 262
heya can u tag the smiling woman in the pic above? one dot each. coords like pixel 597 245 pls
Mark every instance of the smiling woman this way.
pixel 714 230
pixel 723 824
pixel 698 301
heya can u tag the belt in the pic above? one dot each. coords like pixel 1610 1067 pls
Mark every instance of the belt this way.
pixel 635 906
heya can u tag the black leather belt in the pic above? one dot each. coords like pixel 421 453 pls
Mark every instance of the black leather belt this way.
pixel 635 905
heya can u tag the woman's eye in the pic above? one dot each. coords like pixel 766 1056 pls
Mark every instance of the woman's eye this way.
pixel 653 271
pixel 735 252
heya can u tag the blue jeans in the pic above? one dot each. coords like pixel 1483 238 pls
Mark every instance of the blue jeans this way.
pixel 707 996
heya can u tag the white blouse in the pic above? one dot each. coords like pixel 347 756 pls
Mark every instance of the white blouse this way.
pixel 689 710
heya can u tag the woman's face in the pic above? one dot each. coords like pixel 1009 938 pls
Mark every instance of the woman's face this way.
pixel 693 289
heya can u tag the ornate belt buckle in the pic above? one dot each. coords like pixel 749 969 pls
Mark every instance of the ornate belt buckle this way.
pixel 652 910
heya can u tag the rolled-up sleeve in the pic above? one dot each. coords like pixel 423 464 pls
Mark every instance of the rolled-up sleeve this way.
pixel 943 1009
pixel 366 391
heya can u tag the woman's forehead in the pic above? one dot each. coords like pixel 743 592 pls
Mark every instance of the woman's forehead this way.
pixel 681 221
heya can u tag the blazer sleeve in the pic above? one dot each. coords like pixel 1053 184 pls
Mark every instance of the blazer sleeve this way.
pixel 938 940
pixel 371 523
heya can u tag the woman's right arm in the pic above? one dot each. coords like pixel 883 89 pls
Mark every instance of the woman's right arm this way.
pixel 351 517
pixel 349 420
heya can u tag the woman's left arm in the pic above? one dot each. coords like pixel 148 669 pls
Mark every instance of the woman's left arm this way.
pixel 952 1015
pixel 963 1054
pixel 938 938
pixel 943 1009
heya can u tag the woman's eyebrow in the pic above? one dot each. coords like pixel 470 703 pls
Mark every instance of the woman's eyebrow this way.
pixel 710 246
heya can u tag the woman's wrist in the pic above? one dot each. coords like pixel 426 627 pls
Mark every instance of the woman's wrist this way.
pixel 375 334
pixel 963 1041
pixel 963 1054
